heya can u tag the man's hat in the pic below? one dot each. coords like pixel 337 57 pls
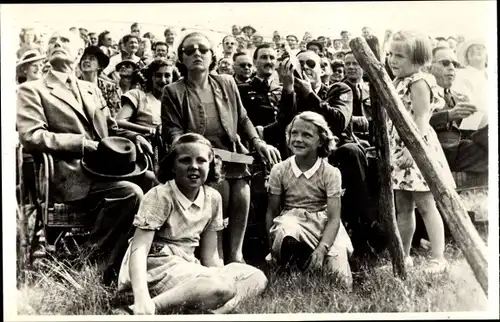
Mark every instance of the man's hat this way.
pixel 462 49
pixel 248 27
pixel 126 61
pixel 102 58
pixel 115 158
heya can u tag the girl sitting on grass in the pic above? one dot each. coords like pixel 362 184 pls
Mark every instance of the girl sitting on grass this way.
pixel 303 214
pixel 173 219
pixel 408 55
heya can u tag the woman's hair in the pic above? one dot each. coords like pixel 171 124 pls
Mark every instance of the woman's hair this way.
pixel 325 134
pixel 337 63
pixel 145 76
pixel 166 165
pixel 23 32
pixel 417 47
pixel 180 66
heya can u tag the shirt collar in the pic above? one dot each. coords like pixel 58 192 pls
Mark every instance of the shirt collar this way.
pixel 309 173
pixel 184 201
pixel 63 77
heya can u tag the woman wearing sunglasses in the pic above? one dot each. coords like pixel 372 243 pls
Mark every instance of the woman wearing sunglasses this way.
pixel 211 105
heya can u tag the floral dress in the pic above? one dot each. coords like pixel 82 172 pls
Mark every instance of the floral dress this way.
pixel 411 179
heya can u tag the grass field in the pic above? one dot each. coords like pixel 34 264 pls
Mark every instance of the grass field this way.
pixel 56 289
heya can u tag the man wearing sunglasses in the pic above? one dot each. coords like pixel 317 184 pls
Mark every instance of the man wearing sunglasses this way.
pixel 229 46
pixel 243 68
pixel 465 150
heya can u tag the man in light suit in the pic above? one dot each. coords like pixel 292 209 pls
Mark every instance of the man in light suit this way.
pixel 67 118
pixel 465 150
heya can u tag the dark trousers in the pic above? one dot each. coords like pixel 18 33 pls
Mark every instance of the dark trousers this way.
pixel 471 154
pixel 113 204
pixel 357 211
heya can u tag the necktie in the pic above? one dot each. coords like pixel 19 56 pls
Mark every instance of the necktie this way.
pixel 72 87
pixel 448 98
pixel 266 85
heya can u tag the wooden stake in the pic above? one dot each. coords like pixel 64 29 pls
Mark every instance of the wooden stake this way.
pixel 447 199
pixel 386 199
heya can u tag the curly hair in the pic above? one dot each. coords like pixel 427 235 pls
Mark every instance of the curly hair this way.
pixel 23 33
pixel 325 134
pixel 144 77
pixel 166 165
pixel 180 66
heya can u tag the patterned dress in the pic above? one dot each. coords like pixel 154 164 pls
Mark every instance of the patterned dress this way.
pixel 411 179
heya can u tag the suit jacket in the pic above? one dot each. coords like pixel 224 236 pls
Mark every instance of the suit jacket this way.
pixel 50 119
pixel 448 132
pixel 334 103
pixel 178 117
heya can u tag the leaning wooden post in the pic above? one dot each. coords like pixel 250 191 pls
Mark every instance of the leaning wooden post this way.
pixel 386 199
pixel 447 199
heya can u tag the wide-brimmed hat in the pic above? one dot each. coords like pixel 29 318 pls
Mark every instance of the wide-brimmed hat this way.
pixel 126 61
pixel 248 27
pixel 462 49
pixel 102 58
pixel 29 57
pixel 115 158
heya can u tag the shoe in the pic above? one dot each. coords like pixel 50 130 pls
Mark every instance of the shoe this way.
pixel 435 266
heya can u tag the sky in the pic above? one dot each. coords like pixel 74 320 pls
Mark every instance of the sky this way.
pixel 435 18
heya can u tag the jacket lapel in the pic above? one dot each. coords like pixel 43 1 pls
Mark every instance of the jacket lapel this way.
pixel 60 91
pixel 88 99
pixel 220 103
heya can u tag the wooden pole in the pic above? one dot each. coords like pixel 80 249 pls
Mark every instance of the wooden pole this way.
pixel 386 198
pixel 447 199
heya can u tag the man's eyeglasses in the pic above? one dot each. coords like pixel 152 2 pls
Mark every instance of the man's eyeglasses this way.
pixel 243 65
pixel 324 65
pixel 309 62
pixel 191 49
pixel 447 62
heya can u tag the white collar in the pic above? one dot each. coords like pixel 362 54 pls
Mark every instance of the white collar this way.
pixel 184 201
pixel 309 173
pixel 63 77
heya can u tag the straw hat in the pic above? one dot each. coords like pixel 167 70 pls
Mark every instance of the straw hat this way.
pixel 29 57
pixel 462 49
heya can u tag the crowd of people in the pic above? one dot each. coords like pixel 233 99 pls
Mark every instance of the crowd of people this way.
pixel 204 220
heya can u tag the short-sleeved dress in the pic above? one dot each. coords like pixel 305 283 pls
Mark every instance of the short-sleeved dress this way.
pixel 178 224
pixel 304 214
pixel 147 108
pixel 411 179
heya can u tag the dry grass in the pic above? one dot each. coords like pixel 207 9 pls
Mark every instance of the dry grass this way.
pixel 57 289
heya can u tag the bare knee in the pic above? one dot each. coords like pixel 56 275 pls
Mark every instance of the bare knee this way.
pixel 222 290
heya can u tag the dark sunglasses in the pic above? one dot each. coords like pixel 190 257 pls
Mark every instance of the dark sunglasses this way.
pixel 446 63
pixel 229 43
pixel 191 49
pixel 339 71
pixel 243 65
pixel 309 62
pixel 324 65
